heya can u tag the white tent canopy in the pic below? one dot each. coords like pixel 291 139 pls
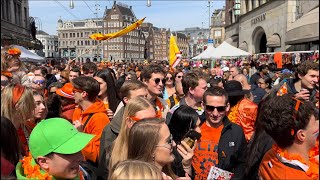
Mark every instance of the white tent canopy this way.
pixel 225 50
pixel 29 56
pixel 206 54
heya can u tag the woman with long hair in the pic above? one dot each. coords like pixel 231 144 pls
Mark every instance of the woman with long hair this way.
pixel 169 88
pixel 157 142
pixel 108 93
pixel 183 120
pixel 136 109
pixel 17 104
pixel 10 147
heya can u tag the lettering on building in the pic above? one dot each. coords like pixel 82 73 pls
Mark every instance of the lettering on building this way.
pixel 258 19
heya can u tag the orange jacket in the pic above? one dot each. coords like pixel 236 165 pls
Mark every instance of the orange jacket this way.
pixel 272 168
pixel 95 126
pixel 246 115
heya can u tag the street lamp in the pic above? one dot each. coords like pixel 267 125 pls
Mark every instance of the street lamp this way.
pixel 71 4
pixel 148 3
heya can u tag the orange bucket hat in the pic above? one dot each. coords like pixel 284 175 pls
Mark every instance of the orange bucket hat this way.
pixel 66 91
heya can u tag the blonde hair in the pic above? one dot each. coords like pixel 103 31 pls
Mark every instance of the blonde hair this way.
pixel 25 105
pixel 134 169
pixel 120 146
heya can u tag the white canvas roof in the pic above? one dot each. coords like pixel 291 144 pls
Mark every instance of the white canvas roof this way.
pixel 225 49
pixel 206 54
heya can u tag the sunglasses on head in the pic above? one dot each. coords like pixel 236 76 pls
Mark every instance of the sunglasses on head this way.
pixel 39 81
pixel 4 82
pixel 212 108
pixel 157 80
pixel 217 77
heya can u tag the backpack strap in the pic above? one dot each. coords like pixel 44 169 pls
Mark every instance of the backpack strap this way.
pixel 90 115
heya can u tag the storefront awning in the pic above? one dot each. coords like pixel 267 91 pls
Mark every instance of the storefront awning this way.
pixel 305 29
pixel 244 46
pixel 233 40
pixel 274 41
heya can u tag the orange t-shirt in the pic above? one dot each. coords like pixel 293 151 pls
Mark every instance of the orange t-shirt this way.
pixel 206 153
pixel 278 59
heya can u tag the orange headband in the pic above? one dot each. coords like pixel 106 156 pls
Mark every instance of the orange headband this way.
pixel 17 93
pixel 6 73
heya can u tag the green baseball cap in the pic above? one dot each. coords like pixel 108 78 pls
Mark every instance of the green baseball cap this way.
pixel 56 135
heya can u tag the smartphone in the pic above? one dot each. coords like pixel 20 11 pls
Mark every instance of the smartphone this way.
pixel 190 137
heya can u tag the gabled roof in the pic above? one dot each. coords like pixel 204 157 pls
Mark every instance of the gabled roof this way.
pixel 125 11
pixel 181 35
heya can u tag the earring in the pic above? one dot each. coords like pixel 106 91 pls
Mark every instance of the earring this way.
pixel 153 158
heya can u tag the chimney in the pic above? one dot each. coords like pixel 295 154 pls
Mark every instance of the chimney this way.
pixel 114 2
pixel 130 7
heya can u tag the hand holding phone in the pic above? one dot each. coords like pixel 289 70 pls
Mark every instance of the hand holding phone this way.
pixel 190 137
pixel 303 94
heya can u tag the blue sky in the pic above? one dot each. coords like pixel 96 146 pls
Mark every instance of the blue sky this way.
pixel 175 15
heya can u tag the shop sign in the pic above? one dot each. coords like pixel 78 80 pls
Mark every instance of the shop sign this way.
pixel 258 19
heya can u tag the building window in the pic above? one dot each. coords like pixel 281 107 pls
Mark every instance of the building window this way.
pixel 115 16
pixel 19 14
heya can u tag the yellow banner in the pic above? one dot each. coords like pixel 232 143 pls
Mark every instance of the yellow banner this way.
pixel 174 52
pixel 101 37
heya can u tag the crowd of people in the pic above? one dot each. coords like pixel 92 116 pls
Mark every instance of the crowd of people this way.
pixel 103 120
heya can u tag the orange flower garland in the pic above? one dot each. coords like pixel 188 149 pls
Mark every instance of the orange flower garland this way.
pixel 233 113
pixel 33 172
pixel 313 170
pixel 14 51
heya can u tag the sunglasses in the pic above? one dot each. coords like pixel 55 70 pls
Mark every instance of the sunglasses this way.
pixel 39 81
pixel 179 76
pixel 157 81
pixel 4 82
pixel 212 108
pixel 217 77
pixel 169 78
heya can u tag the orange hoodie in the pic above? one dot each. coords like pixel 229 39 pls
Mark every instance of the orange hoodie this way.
pixel 95 126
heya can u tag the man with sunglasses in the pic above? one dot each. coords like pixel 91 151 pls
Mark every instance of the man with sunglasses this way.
pixel 222 143
pixel 39 84
pixel 153 76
